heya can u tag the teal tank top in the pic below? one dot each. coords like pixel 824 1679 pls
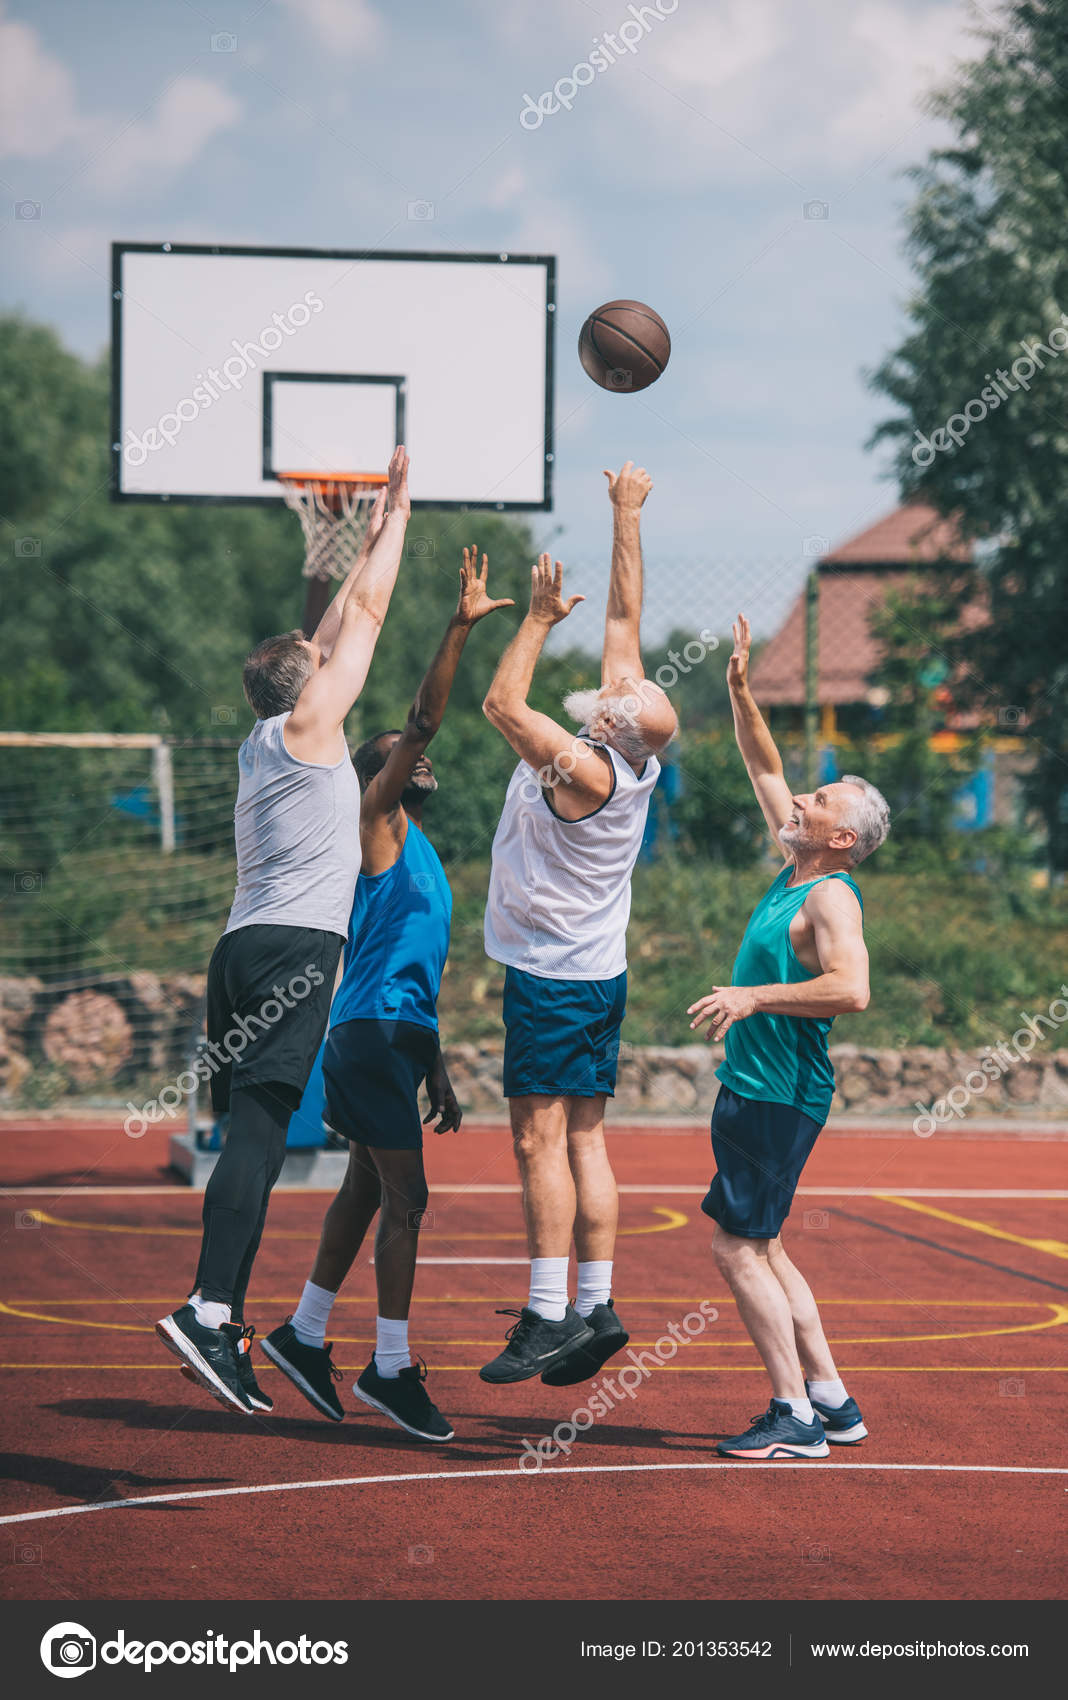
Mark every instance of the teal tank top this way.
pixel 781 1058
pixel 398 940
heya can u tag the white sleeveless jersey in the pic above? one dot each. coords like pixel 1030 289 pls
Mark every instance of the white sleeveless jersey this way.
pixel 559 895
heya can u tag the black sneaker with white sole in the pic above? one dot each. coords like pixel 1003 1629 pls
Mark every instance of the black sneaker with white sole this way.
pixel 310 1368
pixel 535 1345
pixel 843 1425
pixel 209 1353
pixel 609 1337
pixel 404 1399
pixel 257 1398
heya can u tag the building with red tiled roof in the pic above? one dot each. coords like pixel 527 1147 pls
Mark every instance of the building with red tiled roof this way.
pixel 853 581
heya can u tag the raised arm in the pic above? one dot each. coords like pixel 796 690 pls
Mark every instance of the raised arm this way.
pixel 622 654
pixel 380 816
pixel 327 630
pixel 758 748
pixel 313 727
pixel 840 986
pixel 537 738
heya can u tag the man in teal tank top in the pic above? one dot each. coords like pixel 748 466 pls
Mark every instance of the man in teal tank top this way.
pixel 802 962
pixel 382 1045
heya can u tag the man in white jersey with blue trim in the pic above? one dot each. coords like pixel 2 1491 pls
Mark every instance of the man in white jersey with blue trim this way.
pixel 802 961
pixel 556 917
pixel 383 1042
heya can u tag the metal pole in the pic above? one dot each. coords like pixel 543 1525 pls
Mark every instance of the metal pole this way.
pixel 163 774
pixel 812 674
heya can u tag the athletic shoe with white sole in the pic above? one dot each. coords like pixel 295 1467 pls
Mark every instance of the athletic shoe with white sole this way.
pixel 777 1434
pixel 843 1425
pixel 535 1344
pixel 403 1399
pixel 310 1368
pixel 210 1355
pixel 609 1337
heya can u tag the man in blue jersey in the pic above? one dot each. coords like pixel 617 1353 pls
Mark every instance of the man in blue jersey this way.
pixel 801 963
pixel 383 1043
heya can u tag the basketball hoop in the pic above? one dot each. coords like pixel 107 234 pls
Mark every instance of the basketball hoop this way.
pixel 334 509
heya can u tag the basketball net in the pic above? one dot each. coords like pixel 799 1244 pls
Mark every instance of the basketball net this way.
pixel 334 512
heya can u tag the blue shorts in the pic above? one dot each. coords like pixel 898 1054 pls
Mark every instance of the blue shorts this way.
pixel 372 1072
pixel 561 1036
pixel 760 1149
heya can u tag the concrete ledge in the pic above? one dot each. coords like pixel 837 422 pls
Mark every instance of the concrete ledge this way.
pixel 320 1171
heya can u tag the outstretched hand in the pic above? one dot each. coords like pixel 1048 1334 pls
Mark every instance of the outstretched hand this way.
pixel 399 499
pixel 628 487
pixel 475 601
pixel 738 665
pixel 547 600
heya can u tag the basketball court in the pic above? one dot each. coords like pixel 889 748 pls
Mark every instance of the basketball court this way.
pixel 945 1292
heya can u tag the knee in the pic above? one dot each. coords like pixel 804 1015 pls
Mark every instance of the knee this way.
pixel 404 1202
pixel 531 1143
pixel 361 1185
pixel 732 1253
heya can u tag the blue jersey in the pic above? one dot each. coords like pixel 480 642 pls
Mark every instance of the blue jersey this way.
pixel 398 940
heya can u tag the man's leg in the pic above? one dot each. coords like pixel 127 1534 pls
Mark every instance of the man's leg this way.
pixel 237 1195
pixel 548 1329
pixel 764 1310
pixel 810 1341
pixel 345 1225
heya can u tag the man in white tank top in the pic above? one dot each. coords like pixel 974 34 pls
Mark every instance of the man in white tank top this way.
pixel 271 977
pixel 557 913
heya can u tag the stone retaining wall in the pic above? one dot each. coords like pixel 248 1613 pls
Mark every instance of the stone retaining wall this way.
pixel 103 1036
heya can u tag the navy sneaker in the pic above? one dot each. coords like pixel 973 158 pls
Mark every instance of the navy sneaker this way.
pixel 535 1344
pixel 777 1434
pixel 609 1337
pixel 311 1368
pixel 403 1398
pixel 843 1425
pixel 209 1353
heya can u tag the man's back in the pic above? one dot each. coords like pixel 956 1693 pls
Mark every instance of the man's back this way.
pixel 296 826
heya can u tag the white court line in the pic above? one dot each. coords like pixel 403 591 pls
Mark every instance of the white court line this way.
pixel 524 1475
pixel 691 1189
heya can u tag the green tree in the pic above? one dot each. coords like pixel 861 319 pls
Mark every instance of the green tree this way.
pixel 986 236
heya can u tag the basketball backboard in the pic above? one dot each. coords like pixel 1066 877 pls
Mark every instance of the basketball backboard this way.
pixel 230 365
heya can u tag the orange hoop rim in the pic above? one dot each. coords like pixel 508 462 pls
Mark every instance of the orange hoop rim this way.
pixel 372 480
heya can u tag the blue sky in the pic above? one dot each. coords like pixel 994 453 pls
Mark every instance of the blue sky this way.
pixel 679 177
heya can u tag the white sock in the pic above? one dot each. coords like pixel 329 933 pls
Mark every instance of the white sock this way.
pixel 801 1408
pixel 831 1393
pixel 312 1314
pixel 391 1346
pixel 548 1287
pixel 594 1286
pixel 210 1313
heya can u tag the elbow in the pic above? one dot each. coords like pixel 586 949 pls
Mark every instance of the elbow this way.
pixel 492 708
pixel 422 725
pixel 860 999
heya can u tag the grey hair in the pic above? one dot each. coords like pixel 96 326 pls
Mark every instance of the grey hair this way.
pixel 624 735
pixel 276 672
pixel 869 818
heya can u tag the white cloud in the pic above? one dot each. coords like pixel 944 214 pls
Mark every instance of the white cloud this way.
pixel 341 26
pixel 38 106
pixel 170 134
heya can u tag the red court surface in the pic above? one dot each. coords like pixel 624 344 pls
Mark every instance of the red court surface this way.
pixel 942 1265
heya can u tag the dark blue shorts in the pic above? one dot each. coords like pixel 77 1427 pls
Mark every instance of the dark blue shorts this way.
pixel 760 1149
pixel 372 1072
pixel 561 1036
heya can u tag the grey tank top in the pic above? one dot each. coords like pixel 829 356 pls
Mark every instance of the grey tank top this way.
pixel 297 829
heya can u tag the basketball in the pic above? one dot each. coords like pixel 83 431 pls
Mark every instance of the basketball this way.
pixel 624 346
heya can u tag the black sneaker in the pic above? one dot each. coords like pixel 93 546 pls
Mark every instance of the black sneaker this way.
pixel 843 1425
pixel 609 1337
pixel 209 1353
pixel 535 1344
pixel 257 1398
pixel 311 1368
pixel 777 1433
pixel 402 1397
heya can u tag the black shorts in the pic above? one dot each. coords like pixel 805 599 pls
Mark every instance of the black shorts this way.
pixel 372 1071
pixel 760 1149
pixel 269 993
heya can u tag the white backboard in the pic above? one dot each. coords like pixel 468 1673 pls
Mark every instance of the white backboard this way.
pixel 232 364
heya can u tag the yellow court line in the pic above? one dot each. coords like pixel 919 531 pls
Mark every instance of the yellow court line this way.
pixel 679 1369
pixel 1059 1316
pixel 1053 1248
pixel 671 1219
